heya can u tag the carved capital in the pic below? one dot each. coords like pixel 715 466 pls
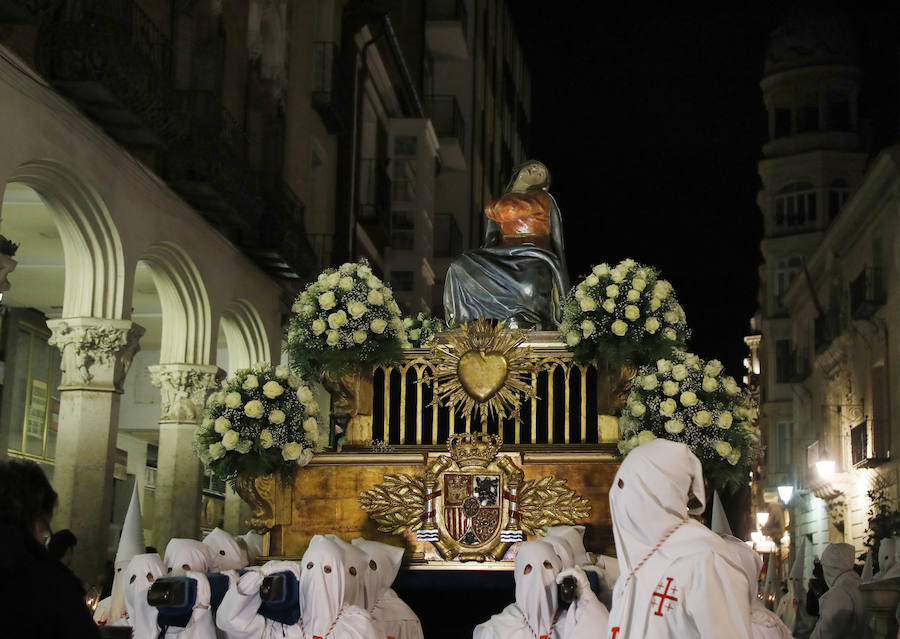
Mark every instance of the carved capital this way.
pixel 184 389
pixel 96 352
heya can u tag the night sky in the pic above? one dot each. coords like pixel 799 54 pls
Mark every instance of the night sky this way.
pixel 651 121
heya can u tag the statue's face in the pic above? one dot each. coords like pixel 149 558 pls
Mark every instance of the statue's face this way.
pixel 532 175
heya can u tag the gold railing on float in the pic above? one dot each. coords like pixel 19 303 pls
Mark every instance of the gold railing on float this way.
pixel 564 408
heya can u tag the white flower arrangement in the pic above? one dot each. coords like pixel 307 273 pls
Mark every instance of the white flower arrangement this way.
pixel 262 420
pixel 688 400
pixel 421 329
pixel 346 320
pixel 623 312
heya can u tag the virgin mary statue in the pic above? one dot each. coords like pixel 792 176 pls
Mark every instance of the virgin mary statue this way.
pixel 519 273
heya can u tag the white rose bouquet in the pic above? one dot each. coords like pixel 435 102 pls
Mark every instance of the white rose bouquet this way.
pixel 623 312
pixel 344 321
pixel 687 400
pixel 421 329
pixel 262 420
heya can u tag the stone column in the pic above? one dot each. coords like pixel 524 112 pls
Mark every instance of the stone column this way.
pixel 96 354
pixel 179 474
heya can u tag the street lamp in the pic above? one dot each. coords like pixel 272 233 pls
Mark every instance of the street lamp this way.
pixel 785 493
pixel 825 468
pixel 762 518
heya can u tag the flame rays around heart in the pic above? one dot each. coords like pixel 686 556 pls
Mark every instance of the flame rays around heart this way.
pixel 482 365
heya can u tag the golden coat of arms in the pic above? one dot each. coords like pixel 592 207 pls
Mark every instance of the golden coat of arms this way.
pixel 472 503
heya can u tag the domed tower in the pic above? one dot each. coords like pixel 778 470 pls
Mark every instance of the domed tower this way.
pixel 811 163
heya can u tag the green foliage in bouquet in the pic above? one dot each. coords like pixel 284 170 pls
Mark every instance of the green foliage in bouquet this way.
pixel 884 520
pixel 421 329
pixel 262 420
pixel 685 399
pixel 345 321
pixel 623 313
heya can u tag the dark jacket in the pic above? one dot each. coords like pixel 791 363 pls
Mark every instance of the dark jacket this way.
pixel 39 597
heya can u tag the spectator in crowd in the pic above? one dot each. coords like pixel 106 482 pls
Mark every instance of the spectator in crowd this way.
pixel 62 546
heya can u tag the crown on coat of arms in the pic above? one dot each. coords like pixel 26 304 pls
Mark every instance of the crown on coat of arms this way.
pixel 473 449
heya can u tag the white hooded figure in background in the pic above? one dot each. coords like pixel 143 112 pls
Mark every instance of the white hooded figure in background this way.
pixel 226 550
pixel 537 611
pixel 238 615
pixel 111 611
pixel 356 564
pixel 679 579
pixel 888 565
pixel 766 624
pixel 390 614
pixel 793 603
pixel 183 555
pixel 138 576
pixel 841 612
pixel 253 542
pixel 606 568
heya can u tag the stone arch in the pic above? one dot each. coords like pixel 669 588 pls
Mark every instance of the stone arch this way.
pixel 95 272
pixel 186 314
pixel 245 335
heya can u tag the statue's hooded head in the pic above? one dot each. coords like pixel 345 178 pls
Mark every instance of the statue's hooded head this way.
pixel 528 176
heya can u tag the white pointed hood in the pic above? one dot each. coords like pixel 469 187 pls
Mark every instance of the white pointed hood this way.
pixel 770 587
pixel 836 560
pixel 537 595
pixel 383 566
pixel 225 550
pixel 183 555
pixel 356 564
pixel 762 618
pixel 868 570
pixel 131 543
pixel 797 578
pixel 254 543
pixel 718 521
pixel 137 578
pixel 886 553
pixel 322 586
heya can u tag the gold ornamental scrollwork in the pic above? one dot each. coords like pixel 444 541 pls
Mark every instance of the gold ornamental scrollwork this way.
pixel 482 364
pixel 472 503
pixel 259 493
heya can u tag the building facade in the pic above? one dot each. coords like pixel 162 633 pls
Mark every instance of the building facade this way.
pixel 824 349
pixel 174 172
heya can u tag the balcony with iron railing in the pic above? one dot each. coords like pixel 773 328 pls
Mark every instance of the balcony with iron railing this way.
pixel 446 28
pixel 867 293
pixel 374 208
pixel 27 11
pixel 332 86
pixel 279 242
pixel 450 127
pixel 115 64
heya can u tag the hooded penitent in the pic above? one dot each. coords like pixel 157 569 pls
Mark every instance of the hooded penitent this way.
pixel 225 550
pixel 841 612
pixel 678 578
pixel 888 550
pixel 254 543
pixel 238 615
pixel 718 521
pixel 183 555
pixel 131 543
pixel 390 614
pixel 201 625
pixel 137 578
pixel 356 563
pixel 537 611
pixel 766 625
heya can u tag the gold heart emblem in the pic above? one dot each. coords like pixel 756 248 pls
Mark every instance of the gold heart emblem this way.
pixel 482 374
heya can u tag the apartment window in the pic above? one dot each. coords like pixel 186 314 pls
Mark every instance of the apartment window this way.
pixel 838 194
pixel 782 123
pixel 403 230
pixel 783 360
pixel 807 118
pixel 795 206
pixel 787 269
pixel 783 452
pixel 402 280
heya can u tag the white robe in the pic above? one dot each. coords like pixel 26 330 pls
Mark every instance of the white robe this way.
pixel 765 623
pixel 322 607
pixel 688 586
pixel 139 575
pixel 390 614
pixel 183 555
pixel 201 624
pixel 537 602
pixel 111 610
pixel 841 612
pixel 226 551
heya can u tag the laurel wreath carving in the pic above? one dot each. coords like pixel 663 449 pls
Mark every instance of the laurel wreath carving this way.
pixel 549 502
pixel 396 503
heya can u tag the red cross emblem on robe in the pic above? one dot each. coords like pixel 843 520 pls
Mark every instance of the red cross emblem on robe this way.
pixel 666 592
